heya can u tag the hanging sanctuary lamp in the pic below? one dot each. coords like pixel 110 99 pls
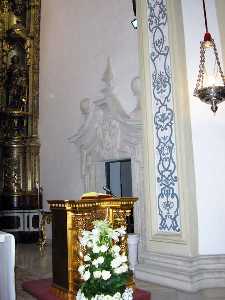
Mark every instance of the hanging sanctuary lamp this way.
pixel 210 86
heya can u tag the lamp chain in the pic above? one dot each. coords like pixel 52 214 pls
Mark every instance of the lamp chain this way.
pixel 205 16
pixel 134 7
pixel 199 83
pixel 218 62
pixel 214 48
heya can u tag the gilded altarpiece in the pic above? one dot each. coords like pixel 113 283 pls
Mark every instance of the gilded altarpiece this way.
pixel 20 198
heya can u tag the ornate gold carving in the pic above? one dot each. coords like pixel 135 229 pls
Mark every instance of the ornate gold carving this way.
pixel 62 293
pixel 19 94
pixel 46 218
pixel 13 160
pixel 119 219
pixel 16 84
pixel 11 175
pixel 80 215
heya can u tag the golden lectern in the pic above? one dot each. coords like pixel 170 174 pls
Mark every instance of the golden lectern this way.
pixel 69 219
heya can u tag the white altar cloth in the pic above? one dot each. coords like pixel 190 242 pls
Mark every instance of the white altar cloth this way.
pixel 7 266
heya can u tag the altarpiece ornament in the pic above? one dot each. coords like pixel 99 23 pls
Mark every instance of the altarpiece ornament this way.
pixel 20 198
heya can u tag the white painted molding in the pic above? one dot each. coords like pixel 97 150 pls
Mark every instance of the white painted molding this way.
pixel 24 219
pixel 183 273
pixel 185 160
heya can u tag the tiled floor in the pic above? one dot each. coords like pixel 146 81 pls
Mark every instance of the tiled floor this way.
pixel 31 265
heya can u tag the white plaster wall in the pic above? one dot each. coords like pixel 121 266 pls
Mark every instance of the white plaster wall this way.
pixel 77 36
pixel 208 135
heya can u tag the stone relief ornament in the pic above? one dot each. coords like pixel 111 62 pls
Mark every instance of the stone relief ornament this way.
pixel 109 133
pixel 85 106
pixel 164 122
pixel 136 89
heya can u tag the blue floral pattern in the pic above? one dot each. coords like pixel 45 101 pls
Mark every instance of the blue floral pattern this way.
pixel 164 135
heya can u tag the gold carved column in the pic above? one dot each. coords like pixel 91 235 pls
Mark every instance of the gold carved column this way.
pixel 69 219
pixel 20 200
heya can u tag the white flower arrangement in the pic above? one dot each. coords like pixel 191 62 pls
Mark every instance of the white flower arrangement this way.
pixel 105 271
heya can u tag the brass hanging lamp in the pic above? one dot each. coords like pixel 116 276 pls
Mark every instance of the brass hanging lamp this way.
pixel 210 86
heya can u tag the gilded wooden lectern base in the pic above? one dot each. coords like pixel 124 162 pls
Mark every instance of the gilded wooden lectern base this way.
pixel 69 219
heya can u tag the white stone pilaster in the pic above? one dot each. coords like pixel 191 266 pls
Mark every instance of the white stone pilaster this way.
pixel 170 230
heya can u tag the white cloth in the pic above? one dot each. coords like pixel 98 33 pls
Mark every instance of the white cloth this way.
pixel 132 242
pixel 7 266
